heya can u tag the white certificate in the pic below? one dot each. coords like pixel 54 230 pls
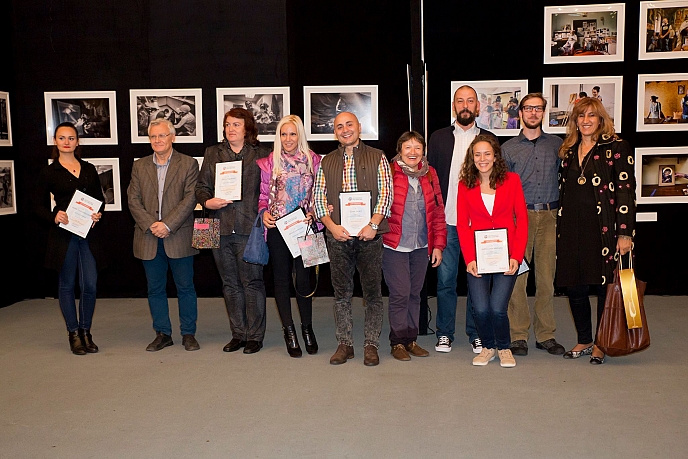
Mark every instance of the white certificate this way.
pixel 354 208
pixel 79 212
pixel 292 226
pixel 492 251
pixel 228 181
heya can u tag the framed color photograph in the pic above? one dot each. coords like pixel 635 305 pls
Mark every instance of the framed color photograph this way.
pixel 563 93
pixel 663 30
pixel 268 105
pixel 5 122
pixel 662 102
pixel 8 199
pixel 499 101
pixel 323 103
pixel 108 173
pixel 182 107
pixel 93 113
pixel 584 33
pixel 661 175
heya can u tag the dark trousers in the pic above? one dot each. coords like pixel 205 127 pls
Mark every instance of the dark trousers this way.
pixel 579 301
pixel 490 294
pixel 242 288
pixel 282 265
pixel 78 259
pixel 404 275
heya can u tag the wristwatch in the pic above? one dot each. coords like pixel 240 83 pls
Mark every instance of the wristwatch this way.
pixel 373 225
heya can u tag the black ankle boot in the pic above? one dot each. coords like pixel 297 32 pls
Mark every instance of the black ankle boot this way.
pixel 292 341
pixel 76 345
pixel 87 341
pixel 309 339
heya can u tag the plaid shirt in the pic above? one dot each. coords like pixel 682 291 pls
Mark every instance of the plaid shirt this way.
pixel 384 186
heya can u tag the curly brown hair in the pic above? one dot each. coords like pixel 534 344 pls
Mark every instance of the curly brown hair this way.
pixel 469 173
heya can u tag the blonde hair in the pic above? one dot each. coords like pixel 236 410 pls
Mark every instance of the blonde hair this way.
pixel 302 144
pixel 606 127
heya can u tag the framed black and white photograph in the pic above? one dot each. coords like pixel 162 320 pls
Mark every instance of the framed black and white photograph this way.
pixel 562 94
pixel 661 175
pixel 662 102
pixel 584 33
pixel 268 105
pixel 8 199
pixel 5 122
pixel 323 103
pixel 499 101
pixel 182 107
pixel 93 113
pixel 108 173
pixel 663 30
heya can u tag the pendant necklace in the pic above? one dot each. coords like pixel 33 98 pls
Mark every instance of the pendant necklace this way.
pixel 582 179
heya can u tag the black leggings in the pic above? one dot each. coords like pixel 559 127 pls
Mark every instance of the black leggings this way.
pixel 282 264
pixel 579 302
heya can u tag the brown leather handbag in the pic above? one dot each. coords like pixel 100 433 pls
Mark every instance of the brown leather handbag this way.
pixel 614 337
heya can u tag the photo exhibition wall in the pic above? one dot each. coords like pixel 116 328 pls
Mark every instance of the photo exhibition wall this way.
pixel 111 68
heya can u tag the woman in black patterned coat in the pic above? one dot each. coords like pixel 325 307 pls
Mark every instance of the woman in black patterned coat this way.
pixel 596 217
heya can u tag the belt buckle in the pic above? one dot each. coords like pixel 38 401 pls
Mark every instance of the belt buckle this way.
pixel 539 206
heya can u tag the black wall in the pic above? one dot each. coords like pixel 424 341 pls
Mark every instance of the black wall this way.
pixel 79 46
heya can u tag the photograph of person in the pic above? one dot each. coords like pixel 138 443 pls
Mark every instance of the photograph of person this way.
pixel 180 108
pixel 662 175
pixel 267 105
pixel 8 204
pixel 499 99
pixel 323 103
pixel 5 125
pixel 573 35
pixel 662 102
pixel 663 30
pixel 93 114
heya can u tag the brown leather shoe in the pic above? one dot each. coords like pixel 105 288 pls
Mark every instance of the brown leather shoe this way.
pixel 342 354
pixel 415 350
pixel 370 357
pixel 399 353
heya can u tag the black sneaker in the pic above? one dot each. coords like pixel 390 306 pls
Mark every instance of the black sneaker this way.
pixel 519 347
pixel 551 346
pixel 443 344
pixel 477 346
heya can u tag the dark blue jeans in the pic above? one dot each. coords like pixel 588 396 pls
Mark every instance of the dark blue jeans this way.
pixel 447 272
pixel 490 294
pixel 78 259
pixel 242 288
pixel 182 273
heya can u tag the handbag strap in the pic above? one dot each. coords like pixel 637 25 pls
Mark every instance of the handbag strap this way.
pixel 630 260
pixel 317 276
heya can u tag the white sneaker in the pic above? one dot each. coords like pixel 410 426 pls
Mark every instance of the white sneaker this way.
pixel 506 359
pixel 443 344
pixel 477 346
pixel 486 355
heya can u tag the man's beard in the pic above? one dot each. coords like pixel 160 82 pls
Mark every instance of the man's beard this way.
pixel 533 125
pixel 465 121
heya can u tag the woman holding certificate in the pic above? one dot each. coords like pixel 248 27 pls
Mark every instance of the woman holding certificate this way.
pixel 492 223
pixel 286 185
pixel 596 217
pixel 67 252
pixel 417 231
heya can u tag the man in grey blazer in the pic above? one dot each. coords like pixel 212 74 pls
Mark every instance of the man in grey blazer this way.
pixel 161 200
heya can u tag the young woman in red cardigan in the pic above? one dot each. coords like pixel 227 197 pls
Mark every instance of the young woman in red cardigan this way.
pixel 490 197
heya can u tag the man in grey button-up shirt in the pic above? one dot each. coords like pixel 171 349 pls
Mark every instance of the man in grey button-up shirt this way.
pixel 533 155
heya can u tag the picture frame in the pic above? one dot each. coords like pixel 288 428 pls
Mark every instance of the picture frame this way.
pixel 498 96
pixel 666 175
pixel 652 25
pixel 563 93
pixel 649 165
pixel 584 33
pixel 268 104
pixel 94 114
pixel 5 120
pixel 321 104
pixel 662 89
pixel 8 188
pixel 173 104
pixel 108 173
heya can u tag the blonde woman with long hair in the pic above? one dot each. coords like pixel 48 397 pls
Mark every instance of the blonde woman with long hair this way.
pixel 287 176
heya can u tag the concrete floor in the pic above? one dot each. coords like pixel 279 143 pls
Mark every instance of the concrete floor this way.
pixel 125 402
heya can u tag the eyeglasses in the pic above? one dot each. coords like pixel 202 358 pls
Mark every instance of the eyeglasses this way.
pixel 536 108
pixel 159 136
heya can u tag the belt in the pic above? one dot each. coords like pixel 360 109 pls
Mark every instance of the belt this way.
pixel 543 206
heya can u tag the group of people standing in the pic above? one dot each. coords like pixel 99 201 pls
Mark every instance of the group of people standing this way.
pixel 568 208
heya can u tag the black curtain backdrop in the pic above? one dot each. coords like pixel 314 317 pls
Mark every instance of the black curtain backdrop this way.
pixel 76 46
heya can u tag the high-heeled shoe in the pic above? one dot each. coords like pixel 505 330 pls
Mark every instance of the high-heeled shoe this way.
pixel 309 339
pixel 576 354
pixel 87 340
pixel 292 341
pixel 75 344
